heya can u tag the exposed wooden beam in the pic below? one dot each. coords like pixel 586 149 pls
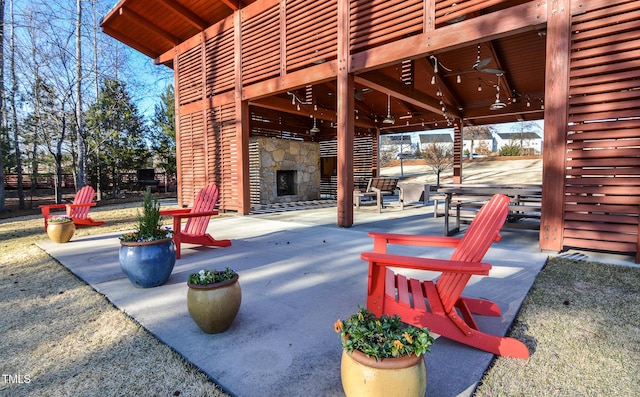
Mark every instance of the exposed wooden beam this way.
pixel 498 60
pixel 512 20
pixel 137 19
pixel 363 111
pixel 131 42
pixel 446 90
pixel 311 75
pixel 185 14
pixel 399 90
pixel 234 5
pixel 284 105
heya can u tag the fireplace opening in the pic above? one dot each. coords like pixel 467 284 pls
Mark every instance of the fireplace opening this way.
pixel 286 182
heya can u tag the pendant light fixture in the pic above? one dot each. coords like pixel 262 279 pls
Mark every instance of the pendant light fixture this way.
pixel 498 104
pixel 314 130
pixel 389 119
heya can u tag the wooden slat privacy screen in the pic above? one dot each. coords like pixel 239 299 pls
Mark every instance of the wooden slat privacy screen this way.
pixel 189 73
pixel 219 63
pixel 311 39
pixel 602 194
pixel 208 154
pixel 285 37
pixel 602 190
pixel 191 155
pixel 381 21
pixel 260 46
pixel 364 163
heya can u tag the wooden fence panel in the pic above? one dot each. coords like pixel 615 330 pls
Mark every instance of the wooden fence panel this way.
pixel 602 195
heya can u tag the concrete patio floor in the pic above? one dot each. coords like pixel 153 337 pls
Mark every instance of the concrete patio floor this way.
pixel 300 272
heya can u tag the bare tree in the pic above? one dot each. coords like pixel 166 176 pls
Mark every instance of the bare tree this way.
pixel 82 161
pixel 55 45
pixel 50 93
pixel 2 108
pixel 14 112
pixel 439 157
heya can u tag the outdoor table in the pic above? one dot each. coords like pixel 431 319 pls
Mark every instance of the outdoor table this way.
pixel 525 201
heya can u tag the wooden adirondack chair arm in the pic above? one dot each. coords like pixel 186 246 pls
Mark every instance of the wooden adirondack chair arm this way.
pixel 413 239
pixel 176 211
pixel 438 265
pixel 190 214
pixel 80 205
pixel 45 208
pixel 380 240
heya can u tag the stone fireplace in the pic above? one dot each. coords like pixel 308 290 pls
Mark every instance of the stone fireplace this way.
pixel 286 182
pixel 283 170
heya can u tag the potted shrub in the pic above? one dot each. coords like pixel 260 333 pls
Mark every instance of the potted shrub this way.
pixel 382 356
pixel 60 228
pixel 213 299
pixel 147 255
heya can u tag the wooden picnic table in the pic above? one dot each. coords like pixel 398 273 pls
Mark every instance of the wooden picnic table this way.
pixel 525 202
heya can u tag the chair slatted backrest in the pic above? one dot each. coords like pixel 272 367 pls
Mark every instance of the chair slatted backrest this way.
pixel 482 232
pixel 383 184
pixel 84 196
pixel 205 202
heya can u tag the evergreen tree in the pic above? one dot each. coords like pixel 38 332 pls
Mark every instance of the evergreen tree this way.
pixel 164 134
pixel 119 132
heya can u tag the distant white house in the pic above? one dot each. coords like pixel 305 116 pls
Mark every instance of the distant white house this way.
pixel 397 144
pixel 438 138
pixel 531 142
pixel 481 144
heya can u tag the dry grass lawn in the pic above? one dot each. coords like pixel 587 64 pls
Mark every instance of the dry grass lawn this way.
pixel 58 336
pixel 581 322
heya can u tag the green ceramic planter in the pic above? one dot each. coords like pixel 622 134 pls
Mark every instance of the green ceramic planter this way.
pixel 214 307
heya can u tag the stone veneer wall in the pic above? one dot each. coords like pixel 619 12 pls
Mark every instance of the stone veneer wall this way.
pixel 269 155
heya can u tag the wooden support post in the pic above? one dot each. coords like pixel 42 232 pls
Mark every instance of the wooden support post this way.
pixel 242 126
pixel 345 106
pixel 555 124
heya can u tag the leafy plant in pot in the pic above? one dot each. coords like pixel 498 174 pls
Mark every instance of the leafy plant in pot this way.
pixel 213 299
pixel 382 356
pixel 148 255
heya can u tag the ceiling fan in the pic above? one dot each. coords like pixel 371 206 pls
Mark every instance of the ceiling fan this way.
pixel 359 94
pixel 481 65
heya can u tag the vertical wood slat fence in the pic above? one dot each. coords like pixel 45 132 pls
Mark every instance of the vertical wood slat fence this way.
pixel 602 190
pixel 284 37
pixel 602 194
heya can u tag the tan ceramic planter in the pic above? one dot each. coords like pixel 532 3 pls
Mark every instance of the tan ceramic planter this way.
pixel 60 232
pixel 390 377
pixel 214 307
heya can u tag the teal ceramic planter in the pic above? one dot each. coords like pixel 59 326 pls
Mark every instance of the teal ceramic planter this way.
pixel 148 264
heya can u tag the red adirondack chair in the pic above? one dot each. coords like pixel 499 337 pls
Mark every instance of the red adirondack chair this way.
pixel 78 210
pixel 195 229
pixel 438 304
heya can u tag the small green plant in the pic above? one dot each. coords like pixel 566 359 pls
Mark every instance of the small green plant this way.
pixel 383 337
pixel 149 223
pixel 512 149
pixel 60 219
pixel 206 277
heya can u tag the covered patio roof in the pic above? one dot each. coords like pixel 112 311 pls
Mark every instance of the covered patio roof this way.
pixel 485 82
